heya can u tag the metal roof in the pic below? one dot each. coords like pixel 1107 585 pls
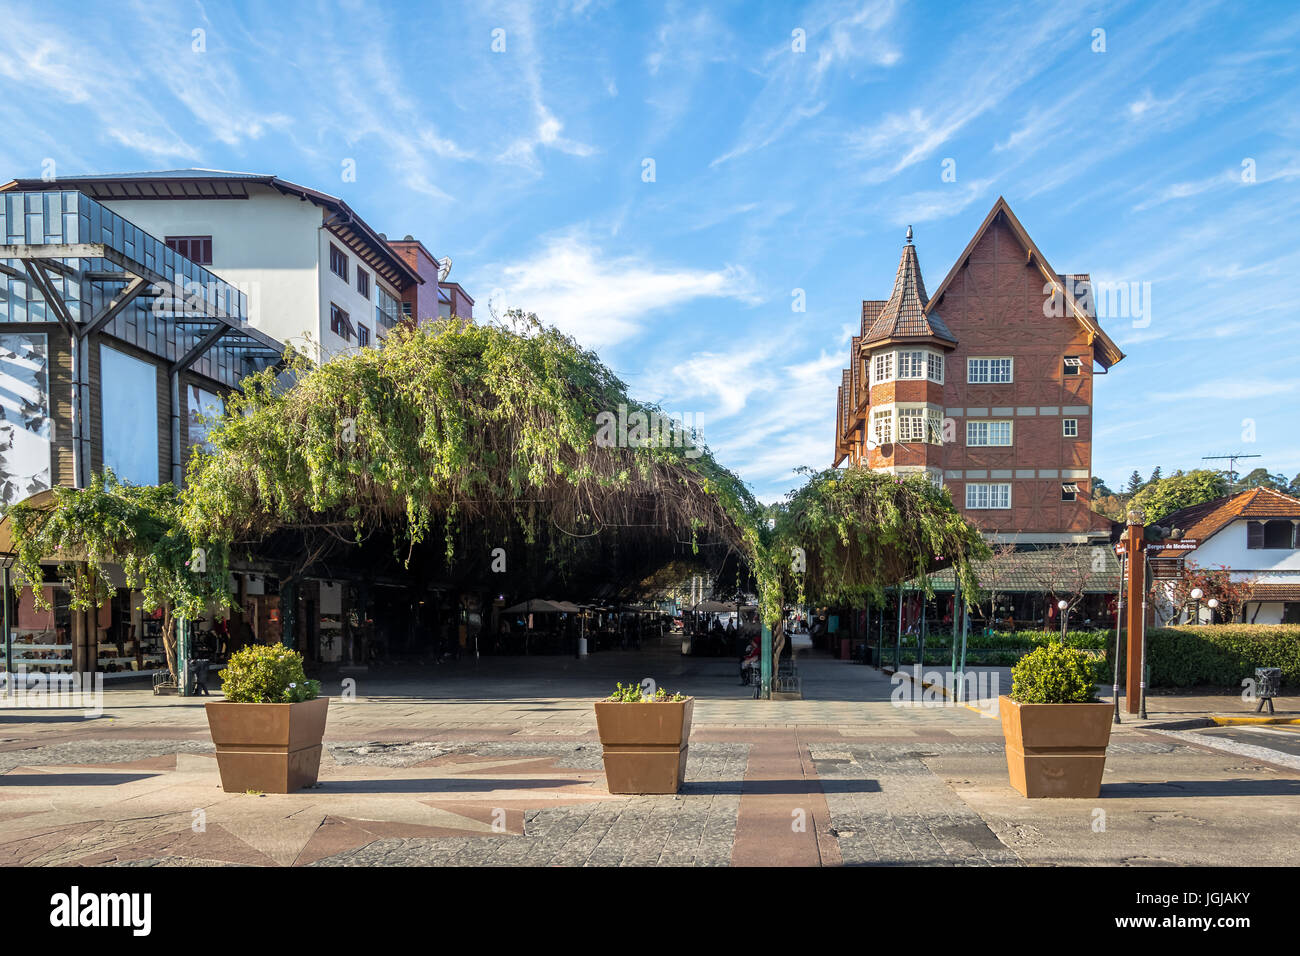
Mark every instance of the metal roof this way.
pixel 1029 571
pixel 200 184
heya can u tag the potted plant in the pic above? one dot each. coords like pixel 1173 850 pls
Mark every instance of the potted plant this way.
pixel 644 738
pixel 268 730
pixel 1056 732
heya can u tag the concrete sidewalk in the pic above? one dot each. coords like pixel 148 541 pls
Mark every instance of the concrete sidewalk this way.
pixel 497 763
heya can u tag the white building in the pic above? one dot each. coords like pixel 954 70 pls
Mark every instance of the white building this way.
pixel 315 274
pixel 1256 536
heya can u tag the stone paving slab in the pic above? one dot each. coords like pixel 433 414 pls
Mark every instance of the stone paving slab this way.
pixel 502 767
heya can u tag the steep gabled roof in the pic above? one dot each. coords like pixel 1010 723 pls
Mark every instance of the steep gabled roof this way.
pixel 904 316
pixel 1106 351
pixel 1200 522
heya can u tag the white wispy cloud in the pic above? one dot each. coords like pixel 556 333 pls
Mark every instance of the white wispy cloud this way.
pixel 839 37
pixel 545 128
pixel 602 300
pixel 932 204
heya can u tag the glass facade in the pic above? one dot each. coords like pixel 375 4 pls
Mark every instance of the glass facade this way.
pixel 150 321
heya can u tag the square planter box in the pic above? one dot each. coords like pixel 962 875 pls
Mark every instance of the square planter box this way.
pixel 272 748
pixel 644 744
pixel 1056 750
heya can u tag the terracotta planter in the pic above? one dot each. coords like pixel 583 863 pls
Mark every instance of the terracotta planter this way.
pixel 644 744
pixel 272 748
pixel 1056 750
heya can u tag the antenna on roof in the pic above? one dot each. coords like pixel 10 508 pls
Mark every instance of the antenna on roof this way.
pixel 909 235
pixel 444 267
pixel 1232 464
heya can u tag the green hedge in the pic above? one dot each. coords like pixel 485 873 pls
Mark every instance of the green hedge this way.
pixel 1218 655
pixel 999 649
pixel 1221 654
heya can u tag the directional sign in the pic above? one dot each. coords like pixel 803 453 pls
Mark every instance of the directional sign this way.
pixel 1181 544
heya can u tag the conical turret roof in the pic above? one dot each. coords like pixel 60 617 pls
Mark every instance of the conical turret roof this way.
pixel 904 315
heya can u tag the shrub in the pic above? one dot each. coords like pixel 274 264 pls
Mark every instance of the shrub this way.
pixel 1221 655
pixel 1054 674
pixel 267 674
pixel 633 694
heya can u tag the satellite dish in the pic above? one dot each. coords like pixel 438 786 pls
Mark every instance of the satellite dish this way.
pixel 444 267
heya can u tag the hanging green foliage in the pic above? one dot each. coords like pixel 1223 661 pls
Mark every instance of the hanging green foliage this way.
pixel 450 425
pixel 138 528
pixel 860 531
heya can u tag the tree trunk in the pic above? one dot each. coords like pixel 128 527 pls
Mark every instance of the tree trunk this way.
pixel 169 641
pixel 778 643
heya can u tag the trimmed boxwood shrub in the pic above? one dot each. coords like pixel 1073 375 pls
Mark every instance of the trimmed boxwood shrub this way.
pixel 1054 674
pixel 267 674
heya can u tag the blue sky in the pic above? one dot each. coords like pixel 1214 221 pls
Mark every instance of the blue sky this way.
pixel 774 170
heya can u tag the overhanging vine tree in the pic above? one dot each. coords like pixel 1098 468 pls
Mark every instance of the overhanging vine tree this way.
pixel 451 426
pixel 137 528
pixel 454 429
pixel 846 535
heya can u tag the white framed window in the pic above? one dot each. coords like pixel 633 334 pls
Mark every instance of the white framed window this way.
pixel 994 370
pixel 934 426
pixel 882 426
pixel 1070 427
pixel 1073 365
pixel 1069 491
pixel 919 423
pixel 984 495
pixel 983 432
pixel 882 367
pixel 911 424
pixel 911 365
pixel 934 367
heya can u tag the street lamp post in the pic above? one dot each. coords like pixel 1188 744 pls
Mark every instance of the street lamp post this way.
pixel 1064 608
pixel 1212 603
pixel 1196 596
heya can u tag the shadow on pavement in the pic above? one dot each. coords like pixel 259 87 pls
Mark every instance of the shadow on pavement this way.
pixel 70 779
pixel 1204 788
pixel 437 786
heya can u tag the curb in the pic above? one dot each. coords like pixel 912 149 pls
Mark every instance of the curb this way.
pixel 983 712
pixel 1237 721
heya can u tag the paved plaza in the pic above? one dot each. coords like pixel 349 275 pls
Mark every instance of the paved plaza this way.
pixel 496 762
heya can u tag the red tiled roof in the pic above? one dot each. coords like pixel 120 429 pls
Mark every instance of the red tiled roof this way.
pixel 904 315
pixel 1200 522
pixel 871 309
pixel 1275 592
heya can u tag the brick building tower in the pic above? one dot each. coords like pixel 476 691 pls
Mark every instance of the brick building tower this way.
pixel 986 386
